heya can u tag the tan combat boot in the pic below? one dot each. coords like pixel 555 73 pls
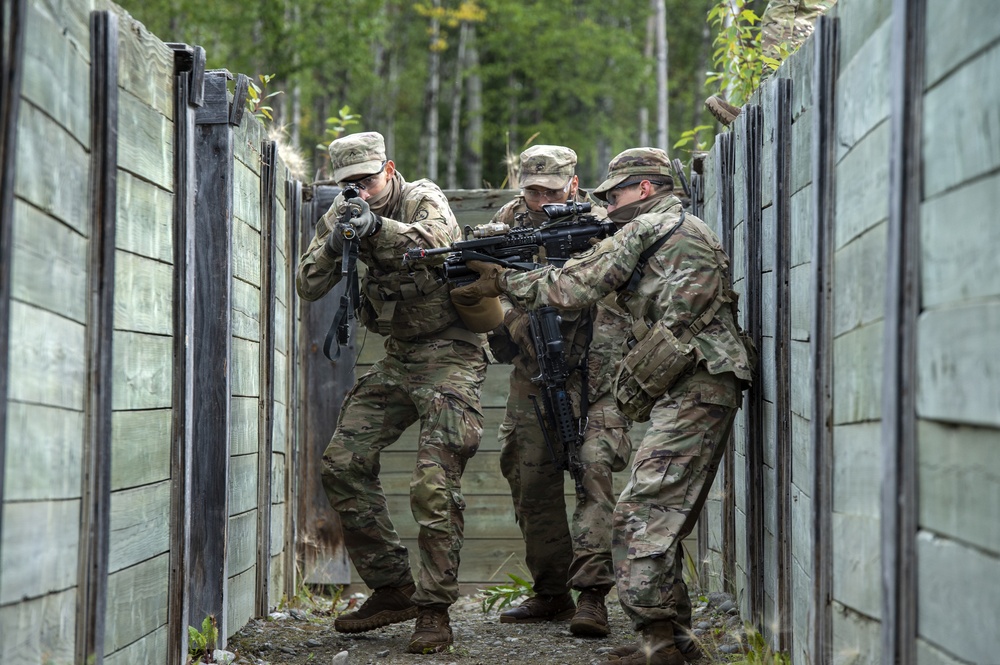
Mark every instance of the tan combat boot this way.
pixel 685 642
pixel 433 632
pixel 657 647
pixel 386 605
pixel 723 111
pixel 540 608
pixel 591 617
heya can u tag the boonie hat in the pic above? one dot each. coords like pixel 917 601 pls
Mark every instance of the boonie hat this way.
pixel 357 155
pixel 635 162
pixel 549 166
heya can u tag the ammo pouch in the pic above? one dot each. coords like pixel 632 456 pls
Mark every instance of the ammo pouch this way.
pixel 649 370
pixel 406 306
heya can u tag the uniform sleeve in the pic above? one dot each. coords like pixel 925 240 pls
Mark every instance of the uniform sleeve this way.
pixel 319 268
pixel 432 224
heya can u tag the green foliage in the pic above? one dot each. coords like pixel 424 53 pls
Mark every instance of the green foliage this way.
pixel 737 55
pixel 201 643
pixel 336 125
pixel 502 596
pixel 255 100
pixel 759 651
pixel 691 135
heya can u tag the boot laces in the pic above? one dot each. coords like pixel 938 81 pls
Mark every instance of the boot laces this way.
pixel 429 620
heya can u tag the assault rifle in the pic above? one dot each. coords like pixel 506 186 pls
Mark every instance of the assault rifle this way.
pixel 553 373
pixel 567 232
pixel 341 326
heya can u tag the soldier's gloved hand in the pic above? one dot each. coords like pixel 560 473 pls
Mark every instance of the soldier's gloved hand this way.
pixel 365 221
pixel 487 286
pixel 335 241
pixel 518 327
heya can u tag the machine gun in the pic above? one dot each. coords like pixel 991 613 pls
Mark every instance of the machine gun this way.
pixel 568 231
pixel 553 373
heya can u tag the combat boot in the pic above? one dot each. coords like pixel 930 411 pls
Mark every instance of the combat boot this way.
pixel 723 111
pixel 433 632
pixel 591 617
pixel 686 643
pixel 540 608
pixel 657 647
pixel 386 605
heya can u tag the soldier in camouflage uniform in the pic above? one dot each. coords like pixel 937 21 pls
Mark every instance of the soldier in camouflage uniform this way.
pixel 671 275
pixel 561 556
pixel 432 372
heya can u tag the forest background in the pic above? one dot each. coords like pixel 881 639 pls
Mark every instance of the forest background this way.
pixel 457 87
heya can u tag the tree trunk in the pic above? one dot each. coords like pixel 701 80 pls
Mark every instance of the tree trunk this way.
pixel 433 91
pixel 662 110
pixel 698 105
pixel 456 106
pixel 474 130
pixel 648 54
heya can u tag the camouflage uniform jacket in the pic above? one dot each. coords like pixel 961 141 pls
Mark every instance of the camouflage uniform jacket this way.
pixel 421 217
pixel 680 282
pixel 610 322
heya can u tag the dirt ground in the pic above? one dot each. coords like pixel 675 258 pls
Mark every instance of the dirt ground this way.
pixel 305 635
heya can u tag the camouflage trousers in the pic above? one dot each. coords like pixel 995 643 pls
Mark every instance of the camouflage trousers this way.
pixel 437 383
pixel 789 22
pixel 671 476
pixel 561 554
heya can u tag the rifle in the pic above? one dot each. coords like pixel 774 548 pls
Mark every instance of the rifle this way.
pixel 552 376
pixel 568 231
pixel 341 326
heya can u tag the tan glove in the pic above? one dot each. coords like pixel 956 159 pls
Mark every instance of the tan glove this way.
pixel 487 286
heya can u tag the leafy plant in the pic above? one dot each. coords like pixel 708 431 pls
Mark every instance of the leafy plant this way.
pixel 502 596
pixel 338 124
pixel 692 135
pixel 201 644
pixel 759 652
pixel 255 100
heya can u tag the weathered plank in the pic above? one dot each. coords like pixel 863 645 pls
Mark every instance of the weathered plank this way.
pixel 861 100
pixel 801 377
pixel 242 483
pixel 280 323
pixel 139 525
pixel 802 545
pixel 147 69
pixel 240 601
pixel 856 478
pixel 39 548
pixel 243 425
pixel 800 221
pixel 246 252
pixel 145 142
pixel 280 375
pixel 957 382
pixel 281 431
pixel 857 545
pixel 857 364
pixel 145 218
pixel 47 358
pixel 859 281
pixel 248 138
pixel 801 452
pixel 143 369
pixel 43 625
pixel 143 294
pixel 137 599
pixel 862 197
pixel 854 637
pixel 277 479
pixel 276 591
pixel 959 486
pixel 48 443
pixel 246 196
pixel 245 368
pixel 801 618
pixel 150 649
pixel 958 244
pixel 49 263
pixel 278 515
pixel 802 155
pixel 477 206
pixel 140 447
pixel 929 654
pixel 242 539
pixel 962 28
pixel 246 310
pixel 800 302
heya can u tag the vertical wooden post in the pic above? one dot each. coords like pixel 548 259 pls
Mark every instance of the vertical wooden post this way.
pixel 95 506
pixel 293 213
pixel 899 438
pixel 211 343
pixel 697 209
pixel 781 202
pixel 825 41
pixel 11 66
pixel 724 190
pixel 265 429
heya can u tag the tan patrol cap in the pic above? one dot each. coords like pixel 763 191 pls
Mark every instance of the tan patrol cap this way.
pixel 549 166
pixel 357 155
pixel 635 162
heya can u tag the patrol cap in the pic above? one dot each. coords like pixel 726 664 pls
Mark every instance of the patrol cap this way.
pixel 549 166
pixel 635 162
pixel 357 155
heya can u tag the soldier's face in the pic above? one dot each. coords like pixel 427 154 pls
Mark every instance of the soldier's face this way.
pixel 535 197
pixel 374 184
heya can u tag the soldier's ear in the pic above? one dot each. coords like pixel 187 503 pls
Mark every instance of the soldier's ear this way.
pixel 390 168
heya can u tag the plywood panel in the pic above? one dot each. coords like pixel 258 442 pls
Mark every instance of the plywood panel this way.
pixel 243 425
pixel 47 358
pixel 45 625
pixel 801 227
pixel 140 524
pixel 800 296
pixel 140 447
pixel 45 460
pixel 39 548
pixel 137 602
pixel 143 371
pixel 801 379
pixel 801 167
pixel 240 600
pixel 280 442
pixel 277 478
pixel 857 548
pixel 278 516
pixel 862 197
pixel 276 593
pixel 49 263
pixel 857 480
pixel 150 649
pixel 859 281
pixel 857 368
pixel 246 368
pixel 242 542
pixel 246 310
pixel 145 218
pixel 856 638
pixel 242 483
pixel 862 101
pixel 145 142
pixel 959 29
pixel 143 294
pixel 928 654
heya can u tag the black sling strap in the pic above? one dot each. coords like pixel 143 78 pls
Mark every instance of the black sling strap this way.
pixel 341 326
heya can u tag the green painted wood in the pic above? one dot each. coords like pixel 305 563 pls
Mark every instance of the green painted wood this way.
pixel 242 483
pixel 145 219
pixel 802 586
pixel 860 22
pixel 57 187
pixel 802 156
pixel 957 137
pixel 140 447
pixel 143 295
pixel 38 550
pixel 150 649
pixel 857 366
pixel 145 142
pixel 279 513
pixel 281 431
pixel 855 637
pixel 477 206
pixel 248 138
pixel 137 602
pixel 959 30
pixel 859 281
pixel 143 367
pixel 856 478
pixel 928 654
pixel 800 302
pixel 277 478
pixel 862 196
pixel 147 65
pixel 276 591
pixel 862 101
pixel 49 263
pixel 246 195
pixel 958 484
pixel 801 453
pixel 48 443
pixel 241 552
pixel 800 378
pixel 39 626
pixel 139 524
pixel 800 222
pixel 857 545
pixel 280 379
pixel 280 326
pixel 957 382
pixel 958 244
pixel 245 368
pixel 47 358
pixel 246 253
pixel 246 310
pixel 239 601
pixel 243 425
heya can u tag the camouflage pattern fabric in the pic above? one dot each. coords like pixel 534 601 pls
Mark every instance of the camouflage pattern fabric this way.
pixel 561 555
pixel 789 22
pixel 677 460
pixel 435 380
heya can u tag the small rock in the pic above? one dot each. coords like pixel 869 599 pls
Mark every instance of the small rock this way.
pixel 730 648
pixel 223 657
pixel 604 650
pixel 726 606
pixel 289 650
pixel 277 616
pixel 299 614
pixel 704 625
pixel 313 643
pixel 698 632
pixel 382 654
pixel 340 658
